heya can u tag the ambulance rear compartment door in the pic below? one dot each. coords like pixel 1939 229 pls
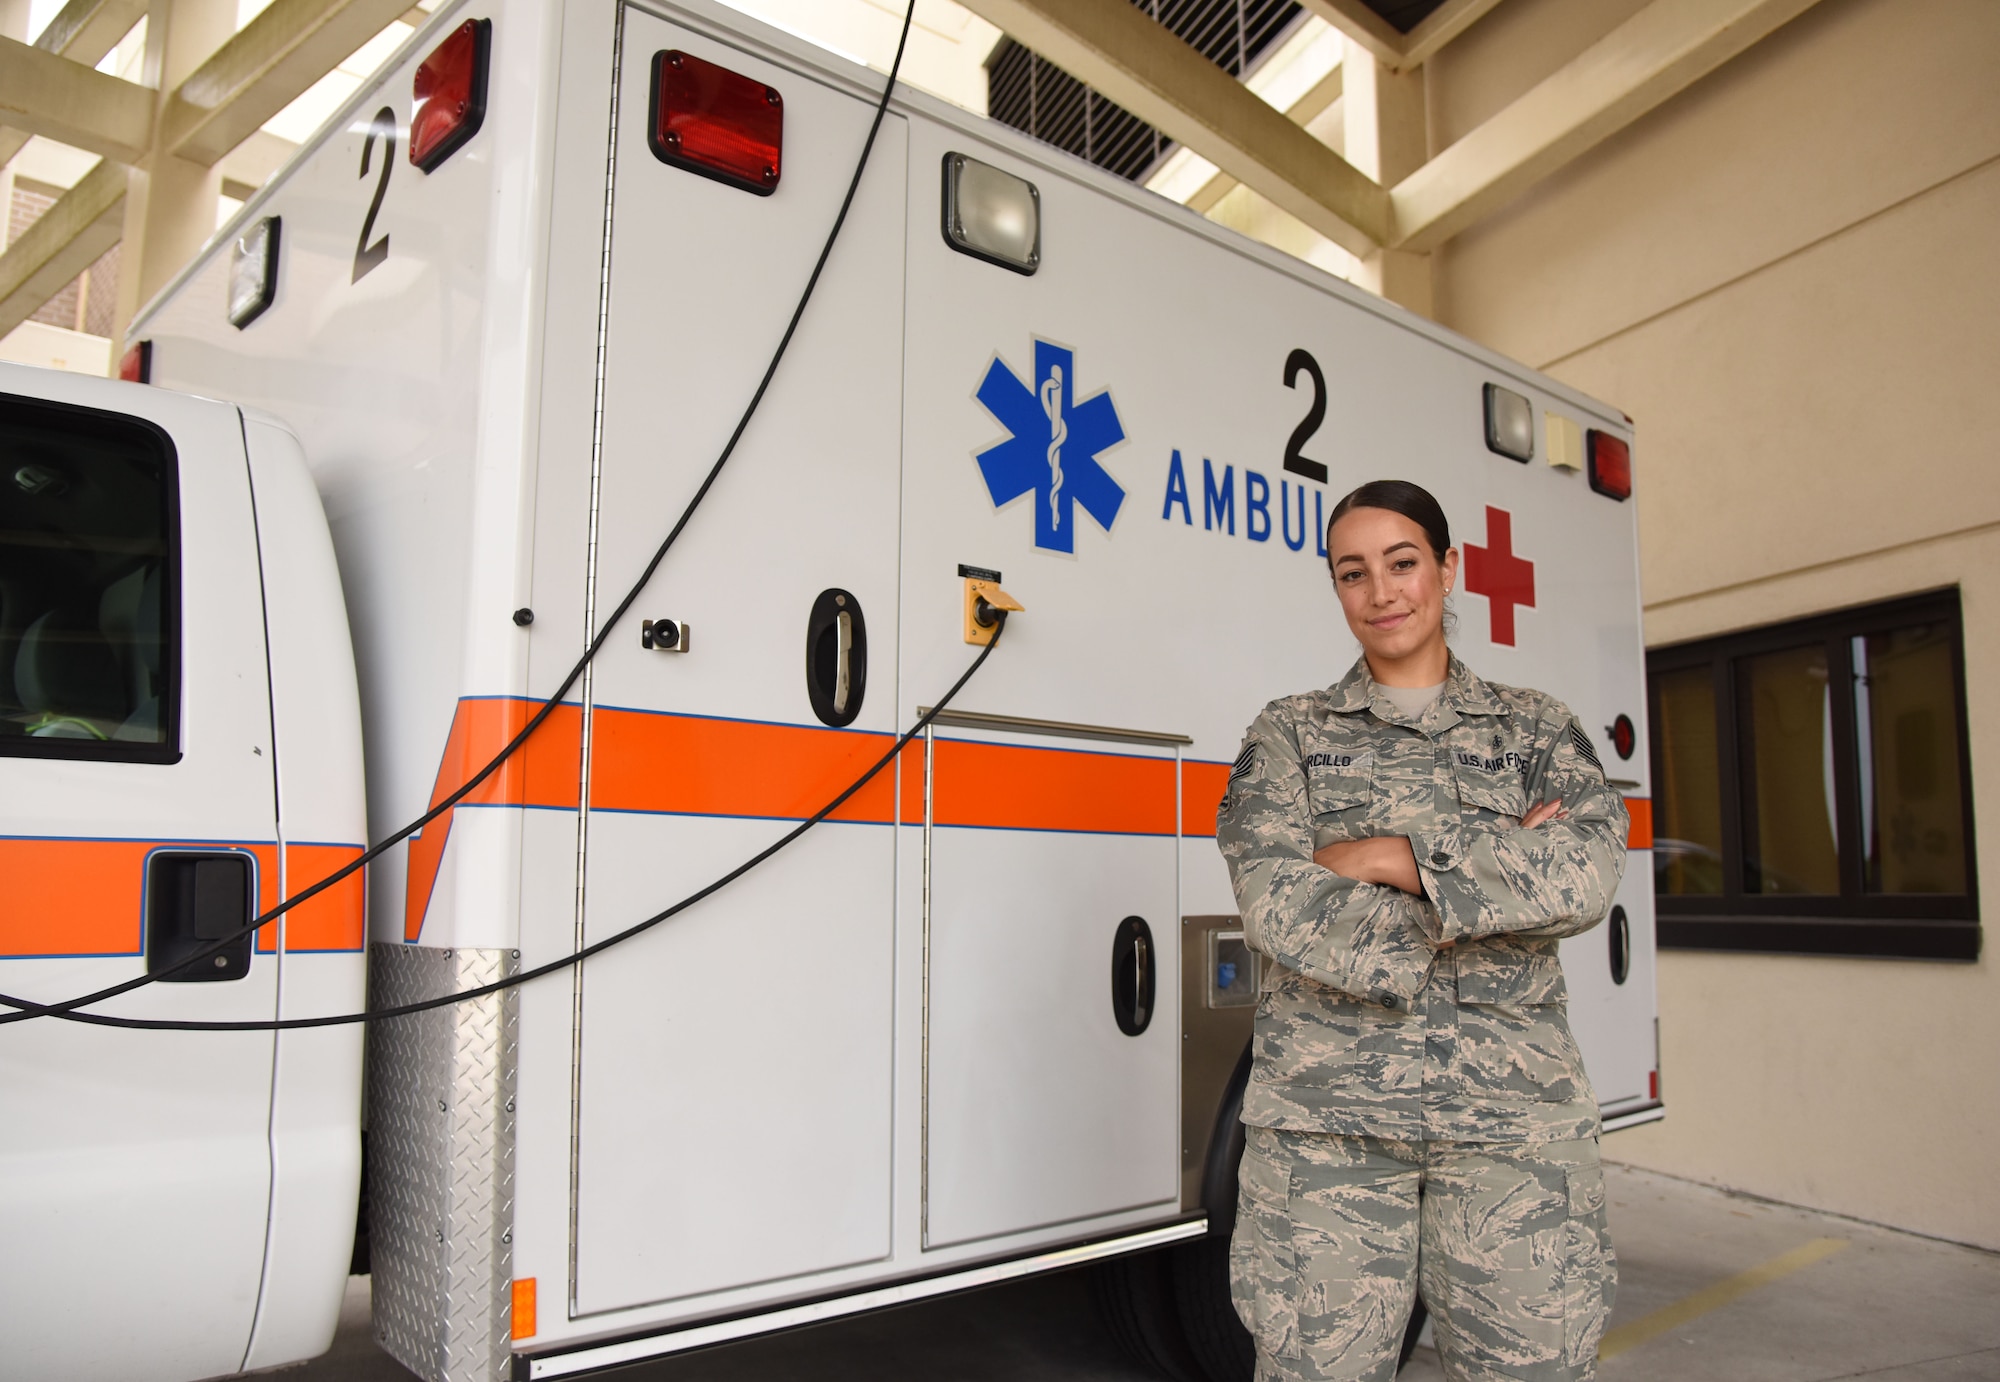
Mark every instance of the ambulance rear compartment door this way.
pixel 735 1111
pixel 1052 940
pixel 137 818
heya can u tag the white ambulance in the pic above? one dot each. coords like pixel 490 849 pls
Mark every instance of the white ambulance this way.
pixel 991 1017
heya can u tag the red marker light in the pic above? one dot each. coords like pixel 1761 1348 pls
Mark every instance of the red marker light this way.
pixel 137 366
pixel 448 96
pixel 1610 465
pixel 1624 736
pixel 715 122
pixel 1652 1084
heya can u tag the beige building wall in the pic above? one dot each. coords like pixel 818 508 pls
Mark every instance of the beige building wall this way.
pixel 1789 276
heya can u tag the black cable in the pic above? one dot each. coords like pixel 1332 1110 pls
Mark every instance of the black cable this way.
pixel 287 1024
pixel 28 1010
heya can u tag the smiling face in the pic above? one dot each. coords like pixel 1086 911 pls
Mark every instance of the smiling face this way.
pixel 1392 589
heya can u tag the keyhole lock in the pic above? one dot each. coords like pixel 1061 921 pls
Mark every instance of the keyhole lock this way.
pixel 664 635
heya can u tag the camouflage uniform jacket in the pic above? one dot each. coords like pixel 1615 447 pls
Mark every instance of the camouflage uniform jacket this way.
pixel 1367 1025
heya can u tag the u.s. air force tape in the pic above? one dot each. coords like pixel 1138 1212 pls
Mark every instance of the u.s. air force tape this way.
pixel 1245 761
pixel 1582 742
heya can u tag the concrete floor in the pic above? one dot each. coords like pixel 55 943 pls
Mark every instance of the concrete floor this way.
pixel 1713 1288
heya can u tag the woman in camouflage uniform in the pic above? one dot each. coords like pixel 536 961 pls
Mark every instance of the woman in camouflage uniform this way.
pixel 1407 847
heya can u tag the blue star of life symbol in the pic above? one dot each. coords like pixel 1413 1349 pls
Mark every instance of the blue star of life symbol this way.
pixel 1054 447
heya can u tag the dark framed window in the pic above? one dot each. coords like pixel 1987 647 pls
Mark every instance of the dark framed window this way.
pixel 1811 789
pixel 89 585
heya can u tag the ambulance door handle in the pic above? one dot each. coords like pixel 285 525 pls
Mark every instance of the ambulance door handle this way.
pixel 836 658
pixel 192 901
pixel 1132 975
pixel 1142 980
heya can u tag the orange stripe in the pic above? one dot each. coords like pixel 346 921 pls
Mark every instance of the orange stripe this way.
pixel 1202 786
pixel 338 918
pixel 542 773
pixel 88 897
pixel 1007 787
pixel 71 897
pixel 1641 810
pixel 692 765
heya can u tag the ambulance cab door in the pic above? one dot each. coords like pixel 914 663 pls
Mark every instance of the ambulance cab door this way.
pixel 137 820
pixel 736 1062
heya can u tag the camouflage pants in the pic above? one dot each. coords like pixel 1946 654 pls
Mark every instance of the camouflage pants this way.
pixel 1508 1243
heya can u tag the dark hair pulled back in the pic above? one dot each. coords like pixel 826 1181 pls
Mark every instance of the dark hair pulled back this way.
pixel 1413 502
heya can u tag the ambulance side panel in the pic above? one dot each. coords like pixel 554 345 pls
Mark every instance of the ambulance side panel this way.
pixel 1208 594
pixel 408 375
pixel 315 1137
pixel 735 1065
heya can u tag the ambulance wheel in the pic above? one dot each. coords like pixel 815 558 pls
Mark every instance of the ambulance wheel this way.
pixel 1135 1299
pixel 1214 1334
pixel 1201 1269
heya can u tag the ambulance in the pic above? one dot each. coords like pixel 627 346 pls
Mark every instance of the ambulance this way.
pixel 412 427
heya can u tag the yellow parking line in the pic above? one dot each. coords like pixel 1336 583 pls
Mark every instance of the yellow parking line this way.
pixel 1701 1302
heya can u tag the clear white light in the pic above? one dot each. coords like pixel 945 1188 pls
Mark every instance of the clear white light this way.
pixel 1510 423
pixel 253 272
pixel 992 214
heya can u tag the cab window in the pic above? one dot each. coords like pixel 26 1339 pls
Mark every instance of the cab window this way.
pixel 89 592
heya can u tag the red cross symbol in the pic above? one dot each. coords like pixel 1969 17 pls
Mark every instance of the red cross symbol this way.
pixel 1495 572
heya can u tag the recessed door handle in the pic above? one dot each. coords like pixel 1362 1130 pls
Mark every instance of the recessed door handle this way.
pixel 192 901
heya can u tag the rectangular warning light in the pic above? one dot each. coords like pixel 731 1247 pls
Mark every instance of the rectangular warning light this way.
pixel 253 272
pixel 990 214
pixel 1610 465
pixel 448 94
pixel 715 122
pixel 1510 424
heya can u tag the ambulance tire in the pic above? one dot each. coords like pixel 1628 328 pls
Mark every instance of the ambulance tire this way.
pixel 1135 1299
pixel 1201 1269
pixel 1208 1316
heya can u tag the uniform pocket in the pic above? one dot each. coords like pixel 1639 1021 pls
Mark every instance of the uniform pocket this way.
pixel 1518 1051
pixel 1263 1270
pixel 1501 797
pixel 1505 969
pixel 1337 779
pixel 1590 1267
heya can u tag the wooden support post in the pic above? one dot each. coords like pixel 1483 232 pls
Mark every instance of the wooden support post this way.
pixel 170 203
pixel 1386 137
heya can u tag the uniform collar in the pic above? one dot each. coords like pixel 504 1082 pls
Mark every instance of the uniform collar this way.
pixel 1463 692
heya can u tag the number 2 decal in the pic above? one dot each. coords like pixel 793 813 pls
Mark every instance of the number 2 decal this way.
pixel 383 127
pixel 1315 415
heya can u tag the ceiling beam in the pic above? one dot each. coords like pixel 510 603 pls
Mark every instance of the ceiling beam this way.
pixel 65 240
pixel 1649 58
pixel 222 104
pixel 1148 70
pixel 1395 51
pixel 83 31
pixel 41 93
pixel 1303 111
pixel 289 45
pixel 1363 25
pixel 1440 27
